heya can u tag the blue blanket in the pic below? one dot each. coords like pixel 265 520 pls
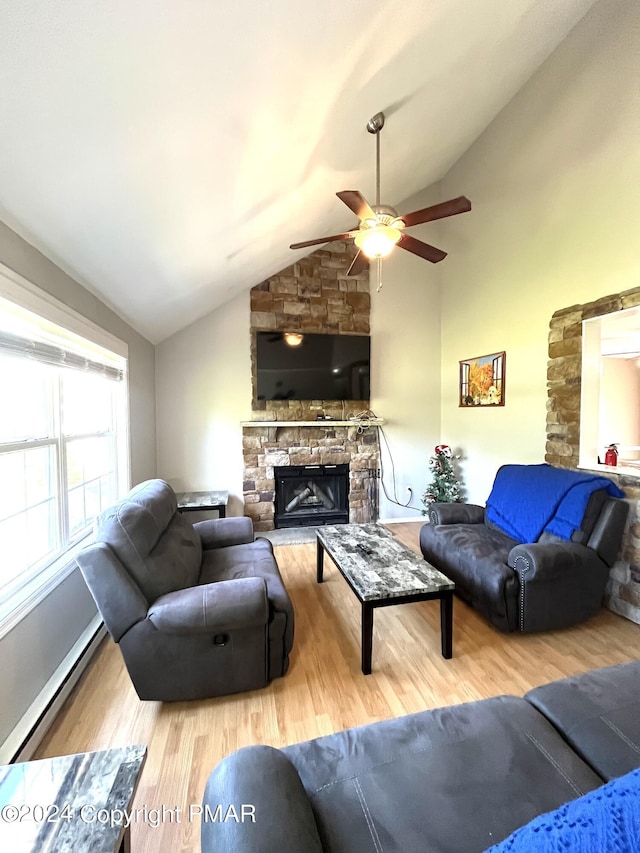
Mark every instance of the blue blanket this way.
pixel 606 820
pixel 528 499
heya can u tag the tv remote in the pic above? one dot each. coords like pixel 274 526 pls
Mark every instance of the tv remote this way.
pixel 365 548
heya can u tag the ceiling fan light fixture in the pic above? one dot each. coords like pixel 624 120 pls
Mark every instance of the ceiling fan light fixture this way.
pixel 293 339
pixel 377 242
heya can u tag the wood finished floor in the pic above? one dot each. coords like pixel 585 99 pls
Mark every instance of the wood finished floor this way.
pixel 324 690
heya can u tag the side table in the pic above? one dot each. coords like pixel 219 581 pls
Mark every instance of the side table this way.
pixel 71 802
pixel 203 502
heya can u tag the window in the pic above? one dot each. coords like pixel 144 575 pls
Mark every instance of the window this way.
pixel 610 405
pixel 63 444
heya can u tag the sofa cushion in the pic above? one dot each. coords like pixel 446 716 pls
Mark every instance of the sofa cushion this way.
pixel 256 560
pixel 606 820
pixel 599 715
pixel 475 557
pixel 250 560
pixel 158 547
pixel 455 779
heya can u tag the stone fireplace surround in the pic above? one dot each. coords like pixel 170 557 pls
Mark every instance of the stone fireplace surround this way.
pixel 265 447
pixel 313 295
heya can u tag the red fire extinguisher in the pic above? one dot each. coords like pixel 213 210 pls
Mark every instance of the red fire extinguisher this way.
pixel 611 456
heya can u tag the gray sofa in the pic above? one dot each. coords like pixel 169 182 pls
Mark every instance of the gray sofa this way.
pixel 198 610
pixel 453 780
pixel 527 586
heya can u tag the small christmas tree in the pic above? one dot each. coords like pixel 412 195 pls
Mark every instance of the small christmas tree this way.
pixel 444 486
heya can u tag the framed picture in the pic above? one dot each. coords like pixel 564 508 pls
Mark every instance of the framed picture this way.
pixel 482 380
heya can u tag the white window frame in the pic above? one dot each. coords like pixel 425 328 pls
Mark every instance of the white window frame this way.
pixel 590 394
pixel 27 295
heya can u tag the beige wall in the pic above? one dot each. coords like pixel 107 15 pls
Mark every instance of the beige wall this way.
pixel 405 364
pixel 203 392
pixel 555 221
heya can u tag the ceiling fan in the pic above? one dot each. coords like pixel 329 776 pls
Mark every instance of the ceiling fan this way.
pixel 381 227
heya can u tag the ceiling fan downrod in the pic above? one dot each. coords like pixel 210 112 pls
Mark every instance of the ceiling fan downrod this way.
pixel 375 125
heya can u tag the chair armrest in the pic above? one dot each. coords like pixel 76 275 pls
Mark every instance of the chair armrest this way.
pixel 550 561
pixel 561 584
pixel 263 778
pixel 212 607
pixel 221 532
pixel 440 513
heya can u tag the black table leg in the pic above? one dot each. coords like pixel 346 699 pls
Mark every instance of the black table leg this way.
pixel 319 562
pixel 367 638
pixel 446 623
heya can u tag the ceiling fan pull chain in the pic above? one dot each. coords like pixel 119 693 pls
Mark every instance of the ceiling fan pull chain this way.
pixel 379 287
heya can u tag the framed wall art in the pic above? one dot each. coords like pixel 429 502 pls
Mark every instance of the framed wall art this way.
pixel 482 380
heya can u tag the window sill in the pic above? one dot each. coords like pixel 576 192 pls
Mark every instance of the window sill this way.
pixel 625 470
pixel 21 602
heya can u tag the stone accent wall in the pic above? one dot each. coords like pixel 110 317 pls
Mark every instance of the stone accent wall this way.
pixel 315 296
pixel 264 448
pixel 564 375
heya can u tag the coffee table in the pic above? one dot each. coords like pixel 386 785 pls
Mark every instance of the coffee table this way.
pixel 382 572
pixel 71 802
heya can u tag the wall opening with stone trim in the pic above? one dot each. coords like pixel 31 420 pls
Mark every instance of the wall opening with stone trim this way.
pixel 564 380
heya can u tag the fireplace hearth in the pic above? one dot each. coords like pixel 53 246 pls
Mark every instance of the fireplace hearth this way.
pixel 311 494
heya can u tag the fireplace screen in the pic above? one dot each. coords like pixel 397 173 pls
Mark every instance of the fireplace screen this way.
pixel 311 494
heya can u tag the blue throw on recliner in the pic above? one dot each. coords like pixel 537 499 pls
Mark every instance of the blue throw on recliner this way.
pixel 527 500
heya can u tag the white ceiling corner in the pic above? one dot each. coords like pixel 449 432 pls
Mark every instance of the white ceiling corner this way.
pixel 167 154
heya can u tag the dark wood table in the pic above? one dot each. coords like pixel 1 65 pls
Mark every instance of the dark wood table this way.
pixel 382 572
pixel 203 501
pixel 71 802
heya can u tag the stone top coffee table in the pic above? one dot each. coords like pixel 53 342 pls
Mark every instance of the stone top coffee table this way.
pixel 381 571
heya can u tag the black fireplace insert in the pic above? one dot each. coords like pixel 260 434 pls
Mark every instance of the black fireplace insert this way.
pixel 311 494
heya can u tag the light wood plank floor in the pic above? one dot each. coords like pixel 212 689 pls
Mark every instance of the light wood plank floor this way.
pixel 324 690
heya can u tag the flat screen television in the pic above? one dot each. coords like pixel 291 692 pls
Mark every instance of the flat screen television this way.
pixel 295 366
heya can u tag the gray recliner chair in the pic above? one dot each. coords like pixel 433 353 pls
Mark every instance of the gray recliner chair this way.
pixel 198 610
pixel 539 585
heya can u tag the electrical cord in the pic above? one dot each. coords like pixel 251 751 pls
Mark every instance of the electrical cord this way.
pixel 393 499
pixel 364 419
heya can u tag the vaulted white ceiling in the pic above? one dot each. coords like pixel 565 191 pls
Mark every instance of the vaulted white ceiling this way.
pixel 166 154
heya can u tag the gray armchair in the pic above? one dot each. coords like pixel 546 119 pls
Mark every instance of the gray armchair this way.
pixel 541 585
pixel 198 610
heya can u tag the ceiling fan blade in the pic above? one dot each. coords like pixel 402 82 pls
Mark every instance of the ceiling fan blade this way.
pixel 348 235
pixel 437 211
pixel 359 264
pixel 423 250
pixel 356 202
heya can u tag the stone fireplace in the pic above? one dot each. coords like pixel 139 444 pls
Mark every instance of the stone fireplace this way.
pixel 311 494
pixel 267 447
pixel 313 295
